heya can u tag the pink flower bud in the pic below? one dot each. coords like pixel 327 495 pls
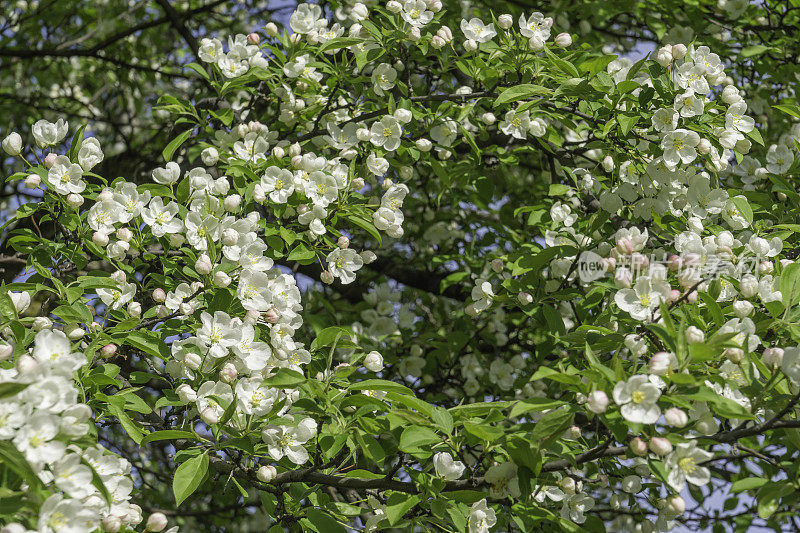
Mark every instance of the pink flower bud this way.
pixel 124 234
pixel 50 160
pixel 660 446
pixel 5 351
pixel 660 363
pixel 156 522
pixel 563 40
pixel 343 242
pixel 33 181
pixel 674 263
pixel 203 265
pixel 111 524
pixel 108 350
pixel 597 402
pixel 26 364
pixel 209 415
pixel 74 200
pixel 253 38
pixel 272 316
pixel 159 295
pixel 497 265
pixel 100 239
pixel 638 446
pixel 119 276
pixel 674 296
pixel 357 184
pixel 624 246
pixel 676 417
pixel 734 355
pixel 326 277
pixel 228 373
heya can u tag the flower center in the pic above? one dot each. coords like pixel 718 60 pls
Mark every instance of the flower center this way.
pixel 638 396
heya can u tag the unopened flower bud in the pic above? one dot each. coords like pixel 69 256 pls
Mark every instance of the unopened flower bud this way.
pixel 74 331
pixel 119 276
pixel 742 308
pixel 676 504
pixel 271 29
pixel 343 242
pixel 42 322
pixel 228 373
pixel 373 361
pixel 111 524
pixel 773 357
pixel 203 265
pixel 505 21
pixel 664 56
pixel 563 40
pixel 192 361
pixel 660 446
pixel 470 45
pixel 124 234
pixel 326 277
pixel 221 280
pixel 597 402
pixel 660 363
pixel 295 149
pixel 608 163
pixel 393 6
pixel 704 146
pixel 638 446
pixel 209 415
pixel 524 298
pixel 676 417
pixel 156 522
pixel 26 364
pixel 100 239
pixel 159 295
pixel 12 144
pixel 734 355
pixel 135 309
pixel 694 335
pixel 108 350
pixel 32 181
pixel 231 203
pixel 497 265
pixel 186 308
pixel 423 145
pixel 488 118
pixel 678 51
pixel 186 393
pixel 253 38
pixel 50 160
pixel 266 473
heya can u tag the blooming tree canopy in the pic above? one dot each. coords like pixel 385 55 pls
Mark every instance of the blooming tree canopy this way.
pixel 416 265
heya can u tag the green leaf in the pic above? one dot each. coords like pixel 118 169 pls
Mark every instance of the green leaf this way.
pixel 188 476
pixel 168 434
pixel 11 389
pixel 748 483
pixel 13 459
pixel 533 404
pixel 483 431
pixel 175 144
pixel 366 225
pixel 626 122
pixel 743 206
pixel 381 384
pixel 519 92
pixel 416 437
pixel 127 423
pixel 322 522
pixel 340 42
pixel 552 424
pixel 790 284
pixel 285 378
pixel 77 141
pixel 398 505
pixel 793 110
pixel 754 50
